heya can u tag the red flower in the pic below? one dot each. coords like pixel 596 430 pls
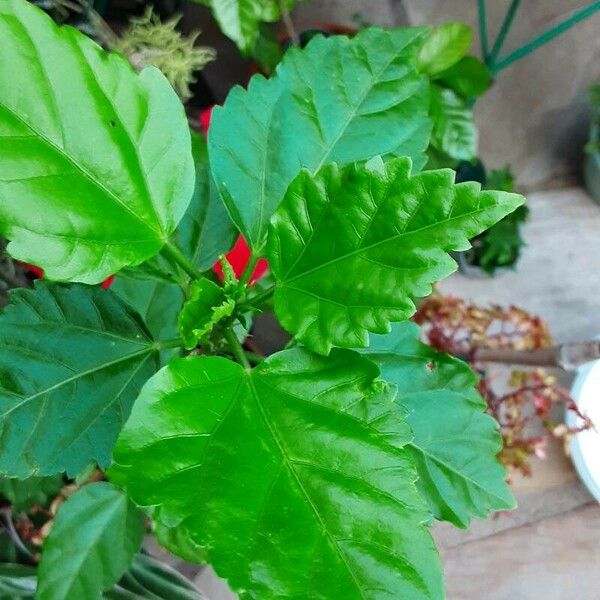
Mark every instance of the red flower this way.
pixel 238 258
pixel 38 273
pixel 204 118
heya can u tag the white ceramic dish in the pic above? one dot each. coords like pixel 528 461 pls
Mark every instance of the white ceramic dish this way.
pixel 585 446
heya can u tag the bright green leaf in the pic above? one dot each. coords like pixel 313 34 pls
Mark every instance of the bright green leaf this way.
pixel 23 494
pixel 205 307
pixel 444 47
pixel 454 131
pixel 353 247
pixel 240 19
pixel 72 360
pixel 339 99
pixel 469 77
pixel 455 442
pixel 96 169
pixel 300 457
pixel 177 540
pixel 91 544
pixel 148 578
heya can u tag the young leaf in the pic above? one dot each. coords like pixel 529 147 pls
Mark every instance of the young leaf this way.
pixel 301 455
pixel 444 47
pixel 205 307
pixel 353 247
pixel 240 20
pixel 339 100
pixel 72 360
pixel 96 169
pixel 93 539
pixel 23 494
pixel 469 77
pixel 149 578
pixel 455 442
pixel 454 131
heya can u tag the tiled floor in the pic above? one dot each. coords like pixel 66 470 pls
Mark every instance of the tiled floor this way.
pixel 549 548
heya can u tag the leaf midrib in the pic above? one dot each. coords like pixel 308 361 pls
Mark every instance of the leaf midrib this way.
pixel 291 470
pixel 393 238
pixel 75 377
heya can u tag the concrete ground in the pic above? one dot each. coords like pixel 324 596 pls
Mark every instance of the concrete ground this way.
pixel 549 548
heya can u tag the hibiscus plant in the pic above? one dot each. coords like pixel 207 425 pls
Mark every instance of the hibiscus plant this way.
pixel 313 473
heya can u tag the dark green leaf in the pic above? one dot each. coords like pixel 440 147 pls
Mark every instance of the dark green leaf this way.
pixel 444 47
pixel 205 307
pixel 455 442
pixel 148 578
pixel 23 494
pixel 157 302
pixel 96 169
pixel 454 132
pixel 17 582
pixel 299 458
pixel 339 100
pixel 72 360
pixel 267 51
pixel 469 77
pixel 353 247
pixel 91 544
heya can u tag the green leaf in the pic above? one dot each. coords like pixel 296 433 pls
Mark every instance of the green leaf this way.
pixel 454 131
pixel 267 51
pixel 205 232
pixel 72 360
pixel 17 582
pixel 301 457
pixel 91 544
pixel 22 495
pixel 96 169
pixel 352 248
pixel 444 47
pixel 205 307
pixel 149 578
pixel 455 442
pixel 157 302
pixel 469 77
pixel 339 99
pixel 240 20
pixel 178 541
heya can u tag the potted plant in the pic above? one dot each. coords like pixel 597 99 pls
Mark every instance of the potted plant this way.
pixel 316 470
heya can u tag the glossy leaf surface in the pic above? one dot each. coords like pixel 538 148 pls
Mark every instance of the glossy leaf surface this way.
pixel 93 539
pixel 17 582
pixel 455 442
pixel 353 247
pixel 96 169
pixel 454 131
pixel 72 361
pixel 301 457
pixel 205 307
pixel 339 99
pixel 444 47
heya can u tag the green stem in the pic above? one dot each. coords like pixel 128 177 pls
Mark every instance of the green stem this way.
pixel 172 252
pixel 236 348
pixel 547 36
pixel 288 23
pixel 504 29
pixel 262 297
pixel 483 30
pixel 254 358
pixel 247 274
pixel 172 343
